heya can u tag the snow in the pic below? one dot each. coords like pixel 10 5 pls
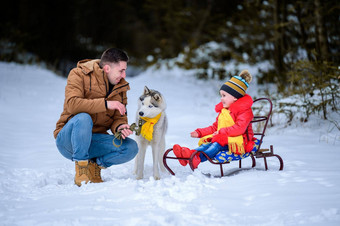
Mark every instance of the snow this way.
pixel 36 182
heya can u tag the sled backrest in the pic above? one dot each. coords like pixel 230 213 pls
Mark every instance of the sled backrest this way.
pixel 262 110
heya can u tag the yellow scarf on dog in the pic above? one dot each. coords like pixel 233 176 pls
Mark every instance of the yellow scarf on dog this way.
pixel 235 144
pixel 147 127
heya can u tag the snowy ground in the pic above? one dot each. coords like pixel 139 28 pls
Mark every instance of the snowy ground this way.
pixel 36 182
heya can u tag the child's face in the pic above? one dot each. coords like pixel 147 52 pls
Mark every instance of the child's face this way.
pixel 227 99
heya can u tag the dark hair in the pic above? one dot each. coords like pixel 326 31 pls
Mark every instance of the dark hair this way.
pixel 113 55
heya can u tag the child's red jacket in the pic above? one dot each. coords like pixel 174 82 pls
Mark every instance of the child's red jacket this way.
pixel 242 115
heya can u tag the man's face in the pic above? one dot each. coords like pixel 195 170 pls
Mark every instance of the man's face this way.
pixel 115 71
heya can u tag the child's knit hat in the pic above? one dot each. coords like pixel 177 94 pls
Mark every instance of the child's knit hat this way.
pixel 237 85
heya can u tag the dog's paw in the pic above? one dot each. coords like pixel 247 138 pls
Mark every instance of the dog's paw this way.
pixel 139 177
pixel 157 177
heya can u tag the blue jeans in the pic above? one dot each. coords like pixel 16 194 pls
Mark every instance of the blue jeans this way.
pixel 211 149
pixel 77 142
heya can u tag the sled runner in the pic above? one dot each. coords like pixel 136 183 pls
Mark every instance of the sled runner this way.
pixel 259 124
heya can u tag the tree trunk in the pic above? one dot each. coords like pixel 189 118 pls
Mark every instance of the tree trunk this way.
pixel 278 40
pixel 321 35
pixel 302 29
pixel 197 34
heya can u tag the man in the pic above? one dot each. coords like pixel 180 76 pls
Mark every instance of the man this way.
pixel 95 101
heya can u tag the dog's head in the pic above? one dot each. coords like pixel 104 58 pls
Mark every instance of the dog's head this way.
pixel 150 103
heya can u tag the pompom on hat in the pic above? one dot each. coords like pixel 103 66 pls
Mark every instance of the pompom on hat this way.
pixel 238 85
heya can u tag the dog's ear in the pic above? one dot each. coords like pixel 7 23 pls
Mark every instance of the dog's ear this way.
pixel 156 96
pixel 146 90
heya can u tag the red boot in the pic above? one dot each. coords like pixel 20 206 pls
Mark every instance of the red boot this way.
pixel 178 153
pixel 186 152
pixel 196 160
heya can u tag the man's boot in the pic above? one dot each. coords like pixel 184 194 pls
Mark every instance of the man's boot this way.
pixel 82 172
pixel 95 172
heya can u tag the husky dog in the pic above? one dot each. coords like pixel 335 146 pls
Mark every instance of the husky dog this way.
pixel 151 106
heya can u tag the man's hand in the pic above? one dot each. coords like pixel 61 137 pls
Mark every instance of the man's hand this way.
pixel 116 105
pixel 125 130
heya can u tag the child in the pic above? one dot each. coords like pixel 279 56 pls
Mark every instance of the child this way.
pixel 232 130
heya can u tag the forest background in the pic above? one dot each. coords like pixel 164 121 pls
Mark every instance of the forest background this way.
pixel 300 40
